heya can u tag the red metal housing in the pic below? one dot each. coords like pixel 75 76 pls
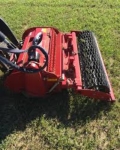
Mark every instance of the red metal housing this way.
pixel 63 69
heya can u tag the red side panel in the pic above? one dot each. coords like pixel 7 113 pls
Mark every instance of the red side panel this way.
pixel 15 81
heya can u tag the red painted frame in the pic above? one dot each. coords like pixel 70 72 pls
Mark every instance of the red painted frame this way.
pixel 63 70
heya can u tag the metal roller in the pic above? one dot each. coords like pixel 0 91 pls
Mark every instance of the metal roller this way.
pixel 92 69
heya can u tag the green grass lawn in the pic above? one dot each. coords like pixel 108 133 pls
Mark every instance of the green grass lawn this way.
pixel 64 121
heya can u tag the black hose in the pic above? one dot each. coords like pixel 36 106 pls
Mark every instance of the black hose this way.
pixel 23 69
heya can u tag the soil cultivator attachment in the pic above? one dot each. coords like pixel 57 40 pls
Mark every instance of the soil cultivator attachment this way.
pixel 47 61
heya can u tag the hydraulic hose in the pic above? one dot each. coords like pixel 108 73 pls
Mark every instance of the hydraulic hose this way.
pixel 23 69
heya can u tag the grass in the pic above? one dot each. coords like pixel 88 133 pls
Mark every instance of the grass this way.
pixel 64 122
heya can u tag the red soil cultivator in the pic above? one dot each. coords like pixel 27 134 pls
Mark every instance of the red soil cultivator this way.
pixel 47 61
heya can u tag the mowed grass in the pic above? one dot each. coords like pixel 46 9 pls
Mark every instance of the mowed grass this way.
pixel 65 121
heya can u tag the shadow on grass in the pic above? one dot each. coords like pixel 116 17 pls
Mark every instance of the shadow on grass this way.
pixel 17 111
